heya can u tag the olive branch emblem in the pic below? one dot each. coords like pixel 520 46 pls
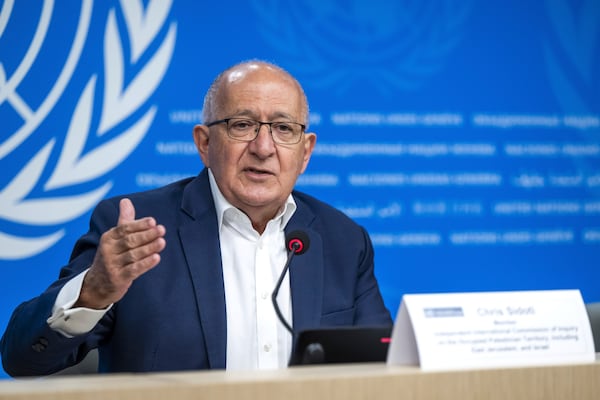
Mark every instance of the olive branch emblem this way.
pixel 119 102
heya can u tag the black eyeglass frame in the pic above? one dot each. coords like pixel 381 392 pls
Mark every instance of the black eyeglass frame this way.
pixel 260 124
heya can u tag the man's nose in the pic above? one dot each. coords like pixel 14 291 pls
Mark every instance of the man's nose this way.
pixel 263 144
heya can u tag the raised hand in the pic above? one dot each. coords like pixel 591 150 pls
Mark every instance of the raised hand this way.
pixel 125 252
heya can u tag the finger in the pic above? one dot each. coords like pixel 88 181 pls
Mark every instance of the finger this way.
pixel 126 211
pixel 140 267
pixel 142 225
pixel 126 237
pixel 138 253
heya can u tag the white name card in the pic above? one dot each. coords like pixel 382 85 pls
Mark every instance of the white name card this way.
pixel 491 329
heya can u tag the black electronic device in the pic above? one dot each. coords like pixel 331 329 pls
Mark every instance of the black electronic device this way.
pixel 353 344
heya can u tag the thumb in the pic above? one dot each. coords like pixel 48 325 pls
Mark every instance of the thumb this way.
pixel 126 211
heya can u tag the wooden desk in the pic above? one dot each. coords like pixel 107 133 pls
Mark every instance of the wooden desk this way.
pixel 356 381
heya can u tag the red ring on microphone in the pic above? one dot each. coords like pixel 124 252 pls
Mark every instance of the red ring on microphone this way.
pixel 296 245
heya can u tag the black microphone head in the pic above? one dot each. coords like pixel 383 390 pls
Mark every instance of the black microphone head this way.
pixel 297 241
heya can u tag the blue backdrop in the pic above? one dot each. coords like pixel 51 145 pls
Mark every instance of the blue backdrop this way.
pixel 464 135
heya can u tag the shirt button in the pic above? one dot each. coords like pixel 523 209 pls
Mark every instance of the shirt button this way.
pixel 264 295
pixel 267 348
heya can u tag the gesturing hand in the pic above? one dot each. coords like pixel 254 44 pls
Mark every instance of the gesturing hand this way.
pixel 125 252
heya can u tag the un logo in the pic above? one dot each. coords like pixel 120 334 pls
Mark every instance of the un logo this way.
pixel 69 119
pixel 392 45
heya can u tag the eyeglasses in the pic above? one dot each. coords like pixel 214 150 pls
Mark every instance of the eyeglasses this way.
pixel 246 130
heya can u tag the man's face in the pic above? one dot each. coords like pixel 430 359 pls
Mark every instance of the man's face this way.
pixel 256 176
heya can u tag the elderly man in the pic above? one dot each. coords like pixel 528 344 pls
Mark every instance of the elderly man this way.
pixel 181 277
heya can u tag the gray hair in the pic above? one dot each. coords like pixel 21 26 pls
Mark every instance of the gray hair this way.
pixel 210 105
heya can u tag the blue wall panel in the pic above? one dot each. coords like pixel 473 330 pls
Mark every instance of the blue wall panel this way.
pixel 465 136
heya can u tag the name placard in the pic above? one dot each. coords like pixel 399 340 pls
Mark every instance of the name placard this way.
pixel 491 329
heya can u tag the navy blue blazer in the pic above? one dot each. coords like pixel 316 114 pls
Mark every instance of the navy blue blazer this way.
pixel 173 317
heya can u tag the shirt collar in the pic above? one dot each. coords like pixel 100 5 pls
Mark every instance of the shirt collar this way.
pixel 222 205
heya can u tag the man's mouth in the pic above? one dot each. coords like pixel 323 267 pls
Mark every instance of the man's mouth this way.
pixel 257 171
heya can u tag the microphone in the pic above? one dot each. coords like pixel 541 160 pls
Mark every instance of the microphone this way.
pixel 296 242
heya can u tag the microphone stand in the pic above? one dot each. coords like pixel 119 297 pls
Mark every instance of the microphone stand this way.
pixel 291 254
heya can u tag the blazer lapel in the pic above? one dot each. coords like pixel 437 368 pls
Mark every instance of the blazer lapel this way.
pixel 203 255
pixel 306 274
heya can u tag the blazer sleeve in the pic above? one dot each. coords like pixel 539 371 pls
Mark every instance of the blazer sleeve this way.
pixel 29 347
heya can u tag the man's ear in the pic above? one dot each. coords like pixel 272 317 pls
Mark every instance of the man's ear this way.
pixel 201 138
pixel 310 139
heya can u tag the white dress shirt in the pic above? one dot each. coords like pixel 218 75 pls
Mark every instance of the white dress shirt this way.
pixel 252 263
